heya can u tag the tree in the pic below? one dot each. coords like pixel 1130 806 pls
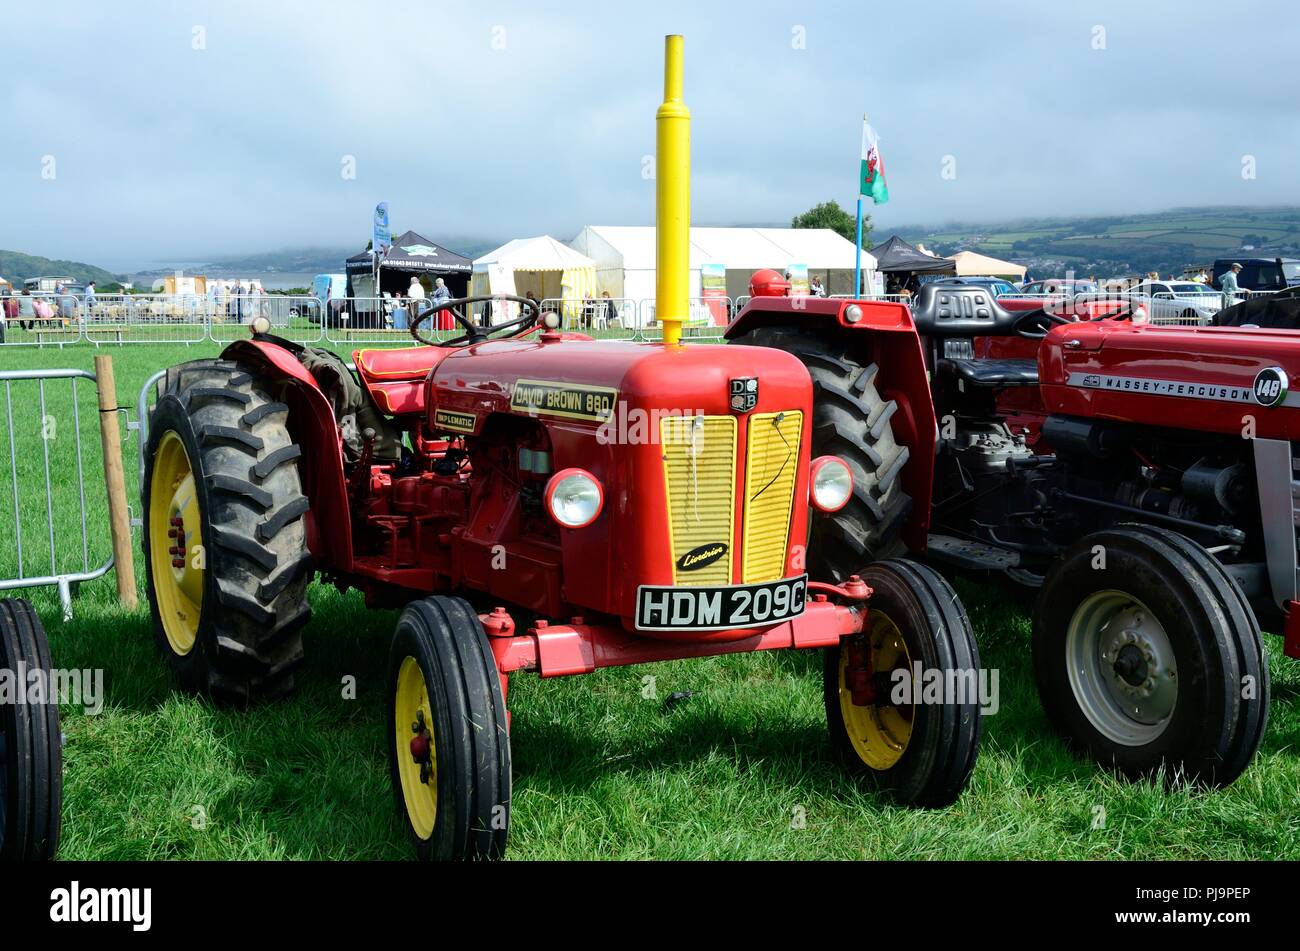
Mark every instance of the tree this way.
pixel 829 214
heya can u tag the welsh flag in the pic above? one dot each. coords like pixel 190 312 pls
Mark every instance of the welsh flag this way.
pixel 871 176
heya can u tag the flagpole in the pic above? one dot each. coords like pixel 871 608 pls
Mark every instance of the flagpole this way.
pixel 857 261
pixel 857 244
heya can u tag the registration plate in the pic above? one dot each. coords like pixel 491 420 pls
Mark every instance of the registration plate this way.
pixel 718 608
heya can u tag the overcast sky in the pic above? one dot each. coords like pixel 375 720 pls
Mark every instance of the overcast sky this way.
pixel 512 119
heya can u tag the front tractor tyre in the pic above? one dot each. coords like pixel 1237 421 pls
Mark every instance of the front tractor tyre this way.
pixel 851 420
pixel 448 739
pixel 887 719
pixel 1148 657
pixel 31 743
pixel 225 546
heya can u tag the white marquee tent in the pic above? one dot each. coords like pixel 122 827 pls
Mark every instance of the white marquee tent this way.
pixel 541 265
pixel 971 263
pixel 625 257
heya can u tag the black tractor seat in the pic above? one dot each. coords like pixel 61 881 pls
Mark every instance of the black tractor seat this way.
pixel 961 310
pixel 991 372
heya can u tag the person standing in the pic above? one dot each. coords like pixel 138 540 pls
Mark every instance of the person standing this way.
pixel 416 293
pixel 442 293
pixel 90 299
pixel 1228 284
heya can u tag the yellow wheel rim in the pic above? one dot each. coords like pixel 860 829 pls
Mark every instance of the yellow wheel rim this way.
pixel 174 523
pixel 879 733
pixel 410 707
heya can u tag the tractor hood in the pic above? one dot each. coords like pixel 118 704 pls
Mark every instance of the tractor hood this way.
pixel 1202 378
pixel 586 381
pixel 702 448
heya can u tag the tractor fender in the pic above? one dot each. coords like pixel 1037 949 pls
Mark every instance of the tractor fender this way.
pixel 883 334
pixel 821 313
pixel 313 427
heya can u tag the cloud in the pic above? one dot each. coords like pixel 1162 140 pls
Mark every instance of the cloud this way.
pixel 512 119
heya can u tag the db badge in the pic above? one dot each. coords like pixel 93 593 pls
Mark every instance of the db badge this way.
pixel 744 394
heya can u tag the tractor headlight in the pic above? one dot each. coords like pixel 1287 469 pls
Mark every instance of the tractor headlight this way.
pixel 1140 315
pixel 574 498
pixel 831 483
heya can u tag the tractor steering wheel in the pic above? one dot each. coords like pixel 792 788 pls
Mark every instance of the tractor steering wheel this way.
pixel 1032 324
pixel 475 333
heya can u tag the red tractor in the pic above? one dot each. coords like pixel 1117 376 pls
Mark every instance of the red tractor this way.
pixel 540 502
pixel 1141 476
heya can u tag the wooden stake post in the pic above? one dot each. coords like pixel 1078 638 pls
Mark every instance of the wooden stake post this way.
pixel 119 520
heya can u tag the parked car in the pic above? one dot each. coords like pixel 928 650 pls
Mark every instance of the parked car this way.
pixel 327 288
pixel 1065 287
pixel 1000 287
pixel 1260 274
pixel 1184 301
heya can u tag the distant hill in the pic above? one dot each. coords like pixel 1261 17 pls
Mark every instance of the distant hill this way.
pixel 16 266
pixel 1118 245
pixel 307 260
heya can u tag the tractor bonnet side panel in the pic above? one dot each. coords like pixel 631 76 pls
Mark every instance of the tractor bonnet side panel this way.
pixel 1197 378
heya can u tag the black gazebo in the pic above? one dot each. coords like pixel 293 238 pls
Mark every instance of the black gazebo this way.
pixel 411 255
pixel 897 255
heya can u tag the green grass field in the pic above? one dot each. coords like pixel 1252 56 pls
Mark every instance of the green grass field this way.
pixel 742 770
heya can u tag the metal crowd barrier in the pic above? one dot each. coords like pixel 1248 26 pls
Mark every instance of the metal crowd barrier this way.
pixel 43 441
pixel 157 318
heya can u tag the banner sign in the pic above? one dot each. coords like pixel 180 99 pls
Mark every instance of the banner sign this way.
pixel 713 288
pixel 798 280
pixel 383 237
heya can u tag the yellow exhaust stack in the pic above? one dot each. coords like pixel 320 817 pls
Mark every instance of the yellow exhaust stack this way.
pixel 672 198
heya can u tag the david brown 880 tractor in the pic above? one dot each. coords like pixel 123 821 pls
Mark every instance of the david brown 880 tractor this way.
pixel 1143 477
pixel 500 471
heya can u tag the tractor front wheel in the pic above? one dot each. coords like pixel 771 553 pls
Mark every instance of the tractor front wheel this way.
pixel 448 740
pixel 224 541
pixel 903 697
pixel 1148 656
pixel 31 743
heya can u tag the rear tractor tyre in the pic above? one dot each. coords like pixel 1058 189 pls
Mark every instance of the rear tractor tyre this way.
pixel 850 420
pixel 225 546
pixel 31 743
pixel 448 738
pixel 918 747
pixel 1147 656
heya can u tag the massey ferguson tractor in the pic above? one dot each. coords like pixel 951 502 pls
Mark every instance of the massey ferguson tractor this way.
pixel 1142 477
pixel 539 502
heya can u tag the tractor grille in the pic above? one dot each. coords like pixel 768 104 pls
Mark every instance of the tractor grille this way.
pixel 771 463
pixel 700 471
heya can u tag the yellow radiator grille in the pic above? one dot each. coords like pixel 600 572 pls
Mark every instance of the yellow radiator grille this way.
pixel 700 473
pixel 771 463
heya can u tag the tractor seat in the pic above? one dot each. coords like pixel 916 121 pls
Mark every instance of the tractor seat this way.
pixel 395 378
pixel 961 310
pixel 992 372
